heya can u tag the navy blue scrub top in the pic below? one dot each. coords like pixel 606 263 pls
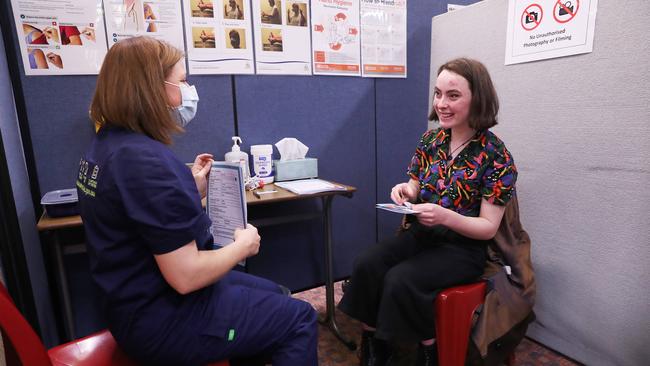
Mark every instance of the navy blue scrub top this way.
pixel 137 199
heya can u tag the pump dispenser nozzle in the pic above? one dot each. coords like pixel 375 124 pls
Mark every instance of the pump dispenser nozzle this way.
pixel 236 141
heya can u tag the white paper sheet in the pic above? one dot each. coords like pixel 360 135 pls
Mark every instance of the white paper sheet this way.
pixel 282 48
pixel 226 201
pixel 64 37
pixel 392 207
pixel 309 186
pixel 383 38
pixel 335 37
pixel 219 37
pixel 155 18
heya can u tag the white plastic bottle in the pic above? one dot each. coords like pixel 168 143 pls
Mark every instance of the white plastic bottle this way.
pixel 235 155
pixel 262 162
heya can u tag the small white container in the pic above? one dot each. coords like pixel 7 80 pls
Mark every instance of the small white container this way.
pixel 263 162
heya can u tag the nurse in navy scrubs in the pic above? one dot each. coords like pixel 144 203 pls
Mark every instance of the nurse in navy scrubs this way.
pixel 172 300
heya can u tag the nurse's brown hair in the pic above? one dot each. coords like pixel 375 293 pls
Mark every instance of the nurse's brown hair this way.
pixel 130 90
pixel 485 103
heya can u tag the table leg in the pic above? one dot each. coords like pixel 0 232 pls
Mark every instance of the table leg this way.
pixel 330 319
pixel 64 292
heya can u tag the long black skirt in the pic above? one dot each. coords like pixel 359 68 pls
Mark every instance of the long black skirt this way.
pixel 395 282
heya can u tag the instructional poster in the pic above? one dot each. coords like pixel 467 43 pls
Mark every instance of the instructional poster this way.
pixel 282 37
pixel 542 29
pixel 160 19
pixel 60 37
pixel 218 36
pixel 383 38
pixel 335 37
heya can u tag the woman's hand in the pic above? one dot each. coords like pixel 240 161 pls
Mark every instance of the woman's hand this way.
pixel 55 59
pixel 200 169
pixel 430 214
pixel 404 192
pixel 249 239
pixel 205 36
pixel 203 5
pixel 89 33
pixel 51 33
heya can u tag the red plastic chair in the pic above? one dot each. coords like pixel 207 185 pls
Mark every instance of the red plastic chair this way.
pixel 99 349
pixel 454 308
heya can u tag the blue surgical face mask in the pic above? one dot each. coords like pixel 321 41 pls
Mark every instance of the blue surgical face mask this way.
pixel 190 100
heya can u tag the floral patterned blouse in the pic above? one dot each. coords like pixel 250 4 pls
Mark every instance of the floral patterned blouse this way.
pixel 483 169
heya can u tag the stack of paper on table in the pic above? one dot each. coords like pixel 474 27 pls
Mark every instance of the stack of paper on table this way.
pixel 309 186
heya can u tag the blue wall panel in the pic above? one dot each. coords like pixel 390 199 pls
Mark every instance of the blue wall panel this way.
pixel 61 130
pixel 57 108
pixel 211 129
pixel 57 112
pixel 335 117
pixel 402 107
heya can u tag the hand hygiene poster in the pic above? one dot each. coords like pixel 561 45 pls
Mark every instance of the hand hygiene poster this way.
pixel 155 18
pixel 218 36
pixel 543 29
pixel 383 38
pixel 60 37
pixel 282 37
pixel 335 37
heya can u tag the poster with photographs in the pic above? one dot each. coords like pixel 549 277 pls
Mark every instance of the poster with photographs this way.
pixel 160 19
pixel 335 37
pixel 383 38
pixel 282 37
pixel 218 36
pixel 60 37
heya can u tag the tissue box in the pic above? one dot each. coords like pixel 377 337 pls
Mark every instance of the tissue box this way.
pixel 295 169
pixel 61 203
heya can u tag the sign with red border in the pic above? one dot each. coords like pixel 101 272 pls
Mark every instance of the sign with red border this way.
pixel 532 17
pixel 565 12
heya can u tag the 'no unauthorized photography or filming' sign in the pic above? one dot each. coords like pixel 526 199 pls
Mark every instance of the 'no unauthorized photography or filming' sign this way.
pixel 541 29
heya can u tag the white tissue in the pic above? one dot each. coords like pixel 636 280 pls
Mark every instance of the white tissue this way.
pixel 291 149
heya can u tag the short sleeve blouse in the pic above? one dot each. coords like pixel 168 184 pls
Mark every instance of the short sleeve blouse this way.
pixel 484 169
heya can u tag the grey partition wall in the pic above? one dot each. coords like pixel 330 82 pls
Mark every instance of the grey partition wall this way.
pixel 578 130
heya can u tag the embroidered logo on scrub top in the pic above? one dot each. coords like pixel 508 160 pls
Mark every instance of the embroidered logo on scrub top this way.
pixel 87 184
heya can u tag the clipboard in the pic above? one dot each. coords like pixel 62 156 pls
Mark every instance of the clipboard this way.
pixel 226 202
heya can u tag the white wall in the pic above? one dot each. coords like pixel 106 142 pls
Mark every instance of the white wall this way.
pixel 579 130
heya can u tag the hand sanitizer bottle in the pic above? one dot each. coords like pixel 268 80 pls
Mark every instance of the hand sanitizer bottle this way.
pixel 235 155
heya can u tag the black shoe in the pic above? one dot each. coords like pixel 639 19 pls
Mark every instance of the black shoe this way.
pixel 345 285
pixel 427 355
pixel 374 352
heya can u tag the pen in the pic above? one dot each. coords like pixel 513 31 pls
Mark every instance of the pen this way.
pixel 259 193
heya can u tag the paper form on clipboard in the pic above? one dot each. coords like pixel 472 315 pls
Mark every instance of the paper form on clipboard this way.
pixel 226 201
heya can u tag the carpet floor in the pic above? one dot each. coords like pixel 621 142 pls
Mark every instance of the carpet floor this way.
pixel 331 352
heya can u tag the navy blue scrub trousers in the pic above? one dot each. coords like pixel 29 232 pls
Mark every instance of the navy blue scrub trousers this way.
pixel 271 324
